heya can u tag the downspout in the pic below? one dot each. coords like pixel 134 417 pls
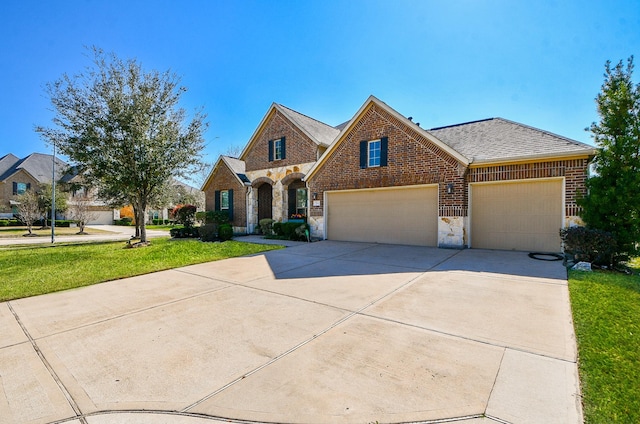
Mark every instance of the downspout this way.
pixel 249 227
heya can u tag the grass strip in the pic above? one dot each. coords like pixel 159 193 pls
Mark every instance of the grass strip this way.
pixel 38 270
pixel 606 311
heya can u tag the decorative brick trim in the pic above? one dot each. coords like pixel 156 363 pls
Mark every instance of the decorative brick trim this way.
pixel 517 171
pixel 452 211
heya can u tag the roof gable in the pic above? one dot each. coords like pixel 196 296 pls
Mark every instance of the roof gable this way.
pixel 38 165
pixel 403 121
pixel 498 139
pixel 318 132
pixel 236 166
pixel 7 162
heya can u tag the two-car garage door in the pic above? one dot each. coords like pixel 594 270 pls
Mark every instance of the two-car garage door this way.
pixel 517 215
pixel 406 215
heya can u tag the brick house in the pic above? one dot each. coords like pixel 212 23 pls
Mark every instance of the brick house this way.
pixel 19 175
pixel 492 183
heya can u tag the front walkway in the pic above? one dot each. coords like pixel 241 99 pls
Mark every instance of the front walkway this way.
pixel 324 332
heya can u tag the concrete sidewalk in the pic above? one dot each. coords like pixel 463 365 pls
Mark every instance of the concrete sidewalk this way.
pixel 324 332
pixel 116 233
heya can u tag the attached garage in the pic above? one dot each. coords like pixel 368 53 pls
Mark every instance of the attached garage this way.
pixel 102 217
pixel 521 215
pixel 399 215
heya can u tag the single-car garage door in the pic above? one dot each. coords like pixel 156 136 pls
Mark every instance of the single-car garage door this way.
pixel 407 215
pixel 522 215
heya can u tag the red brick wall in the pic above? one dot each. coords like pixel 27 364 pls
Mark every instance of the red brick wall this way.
pixel 299 147
pixel 574 171
pixel 412 159
pixel 225 179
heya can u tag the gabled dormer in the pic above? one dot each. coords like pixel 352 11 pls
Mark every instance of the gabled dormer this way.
pixel 286 138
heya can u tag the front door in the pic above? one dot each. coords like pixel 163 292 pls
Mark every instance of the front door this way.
pixel 265 200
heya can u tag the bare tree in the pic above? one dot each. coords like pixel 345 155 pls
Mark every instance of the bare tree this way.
pixel 234 150
pixel 80 210
pixel 29 209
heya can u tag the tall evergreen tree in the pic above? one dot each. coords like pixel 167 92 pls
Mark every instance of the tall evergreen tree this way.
pixel 612 201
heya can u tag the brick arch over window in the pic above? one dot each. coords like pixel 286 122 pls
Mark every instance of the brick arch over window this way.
pixel 294 176
pixel 262 180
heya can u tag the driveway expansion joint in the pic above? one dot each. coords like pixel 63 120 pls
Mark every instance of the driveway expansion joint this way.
pixel 49 368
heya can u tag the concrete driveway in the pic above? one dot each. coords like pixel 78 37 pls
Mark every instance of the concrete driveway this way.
pixel 325 332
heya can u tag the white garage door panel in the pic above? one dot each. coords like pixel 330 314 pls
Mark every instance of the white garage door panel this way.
pixel 102 218
pixel 396 216
pixel 517 216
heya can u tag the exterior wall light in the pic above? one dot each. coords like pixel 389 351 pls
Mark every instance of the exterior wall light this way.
pixel 450 188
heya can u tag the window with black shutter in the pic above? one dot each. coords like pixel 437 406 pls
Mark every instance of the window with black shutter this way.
pixel 374 153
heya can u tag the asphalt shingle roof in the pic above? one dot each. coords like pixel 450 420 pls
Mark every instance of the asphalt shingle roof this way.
pixel 38 165
pixel 238 167
pixel 501 139
pixel 320 132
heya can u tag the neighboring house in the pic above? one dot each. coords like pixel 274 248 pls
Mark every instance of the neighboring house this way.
pixel 99 212
pixel 180 190
pixel 380 177
pixel 19 175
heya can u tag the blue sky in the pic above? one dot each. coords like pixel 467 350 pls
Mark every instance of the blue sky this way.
pixel 443 62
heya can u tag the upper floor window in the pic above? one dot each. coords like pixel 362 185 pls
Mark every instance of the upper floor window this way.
pixel 20 188
pixel 277 149
pixel 373 153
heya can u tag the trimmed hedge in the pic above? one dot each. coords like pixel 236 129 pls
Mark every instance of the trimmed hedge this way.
pixel 160 221
pixel 10 223
pixel 184 232
pixel 225 232
pixel 208 232
pixel 590 245
pixel 123 221
pixel 291 230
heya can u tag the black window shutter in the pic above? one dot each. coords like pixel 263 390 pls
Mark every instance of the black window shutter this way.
pixel 230 205
pixel 384 148
pixel 15 188
pixel 363 154
pixel 216 200
pixel 292 201
pixel 270 150
pixel 284 150
pixel 28 186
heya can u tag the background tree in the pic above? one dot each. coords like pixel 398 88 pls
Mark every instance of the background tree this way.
pixel 123 126
pixel 29 209
pixel 612 202
pixel 44 199
pixel 80 209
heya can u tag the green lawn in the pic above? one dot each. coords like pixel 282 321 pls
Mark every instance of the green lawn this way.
pixel 43 269
pixel 606 310
pixel 17 232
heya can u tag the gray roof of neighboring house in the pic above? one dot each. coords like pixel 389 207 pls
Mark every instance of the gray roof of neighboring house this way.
pixel 186 186
pixel 500 139
pixel 38 165
pixel 238 167
pixel 319 131
pixel 7 162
